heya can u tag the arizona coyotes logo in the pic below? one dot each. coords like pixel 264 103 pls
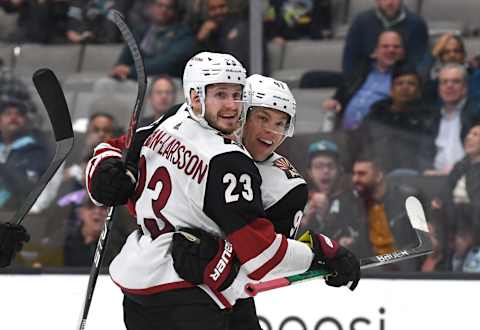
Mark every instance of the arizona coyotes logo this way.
pixel 290 171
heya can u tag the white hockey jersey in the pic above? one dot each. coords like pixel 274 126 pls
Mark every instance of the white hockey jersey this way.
pixel 190 176
pixel 284 193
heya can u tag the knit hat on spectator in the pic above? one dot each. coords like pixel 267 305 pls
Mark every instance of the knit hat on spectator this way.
pixel 13 91
pixel 322 147
pixel 23 106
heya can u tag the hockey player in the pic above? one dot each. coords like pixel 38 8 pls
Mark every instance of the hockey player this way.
pixel 12 237
pixel 270 118
pixel 192 176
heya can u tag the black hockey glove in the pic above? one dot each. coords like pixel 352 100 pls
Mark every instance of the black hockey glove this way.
pixel 202 258
pixel 329 255
pixel 12 237
pixel 111 185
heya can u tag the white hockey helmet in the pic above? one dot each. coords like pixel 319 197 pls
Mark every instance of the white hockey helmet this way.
pixel 261 91
pixel 207 68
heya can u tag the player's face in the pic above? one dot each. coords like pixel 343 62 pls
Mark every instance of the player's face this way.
pixel 323 172
pixel 264 131
pixel 223 104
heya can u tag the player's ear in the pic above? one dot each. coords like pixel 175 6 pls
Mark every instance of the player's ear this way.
pixel 195 100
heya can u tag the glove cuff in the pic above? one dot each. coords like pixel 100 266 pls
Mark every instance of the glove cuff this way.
pixel 221 270
pixel 329 247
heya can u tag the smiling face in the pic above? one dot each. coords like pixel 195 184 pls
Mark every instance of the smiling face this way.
pixel 389 49
pixel 223 106
pixel 261 132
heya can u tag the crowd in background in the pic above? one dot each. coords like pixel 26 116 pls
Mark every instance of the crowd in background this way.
pixel 406 121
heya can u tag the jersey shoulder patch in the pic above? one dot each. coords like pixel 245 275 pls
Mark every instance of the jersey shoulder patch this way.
pixel 284 164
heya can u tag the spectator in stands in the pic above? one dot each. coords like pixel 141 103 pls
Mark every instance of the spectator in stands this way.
pixel 331 207
pixel 387 15
pixel 353 99
pixel 38 21
pixel 224 32
pixel 80 243
pixel 101 127
pixel 135 12
pixel 461 199
pixel 23 156
pixel 323 166
pixel 449 48
pixel 161 97
pixel 388 226
pixel 194 13
pixel 455 118
pixel 87 22
pixel 298 19
pixel 398 127
pixel 166 44
pixel 323 172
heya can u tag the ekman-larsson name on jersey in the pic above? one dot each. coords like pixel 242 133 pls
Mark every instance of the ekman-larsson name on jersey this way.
pixel 177 153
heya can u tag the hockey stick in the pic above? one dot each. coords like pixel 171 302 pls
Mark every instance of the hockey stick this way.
pixel 50 91
pixel 128 157
pixel 418 221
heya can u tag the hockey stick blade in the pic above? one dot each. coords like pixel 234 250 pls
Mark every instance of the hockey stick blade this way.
pixel 129 157
pixel 51 94
pixel 418 221
pixel 417 218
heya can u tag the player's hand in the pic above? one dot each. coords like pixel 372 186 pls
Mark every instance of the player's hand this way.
pixel 12 237
pixel 111 184
pixel 329 255
pixel 202 258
